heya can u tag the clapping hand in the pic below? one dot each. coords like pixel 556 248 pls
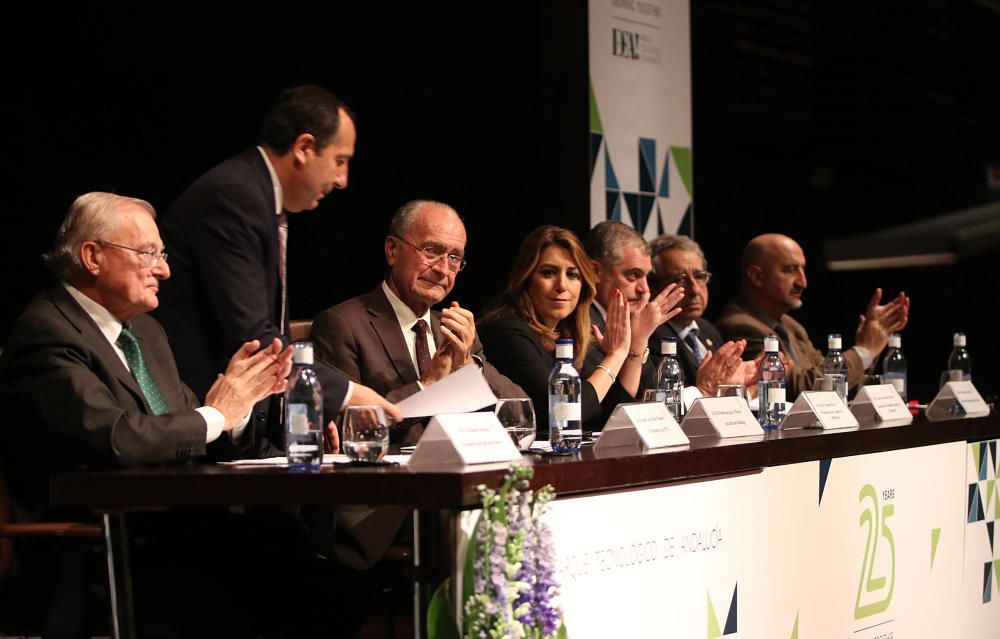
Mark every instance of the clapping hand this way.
pixel 251 376
pixel 617 329
pixel 650 313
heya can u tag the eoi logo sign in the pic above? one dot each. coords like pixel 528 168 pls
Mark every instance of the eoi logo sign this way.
pixel 625 44
pixel 875 592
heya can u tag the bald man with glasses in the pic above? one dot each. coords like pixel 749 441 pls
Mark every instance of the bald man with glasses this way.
pixel 390 339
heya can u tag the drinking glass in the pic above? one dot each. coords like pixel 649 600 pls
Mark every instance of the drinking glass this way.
pixel 871 380
pixel 654 395
pixel 366 433
pixel 834 382
pixel 517 416
pixel 732 390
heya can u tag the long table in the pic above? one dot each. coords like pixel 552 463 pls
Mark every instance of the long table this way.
pixel 438 497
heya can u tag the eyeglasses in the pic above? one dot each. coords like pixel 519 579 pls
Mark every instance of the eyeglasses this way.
pixel 147 259
pixel 702 277
pixel 433 254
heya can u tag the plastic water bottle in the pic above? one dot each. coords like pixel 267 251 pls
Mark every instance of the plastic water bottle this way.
pixel 959 363
pixel 771 386
pixel 565 390
pixel 835 366
pixel 894 365
pixel 670 378
pixel 303 412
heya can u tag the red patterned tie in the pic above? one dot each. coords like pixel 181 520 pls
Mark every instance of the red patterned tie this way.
pixel 423 351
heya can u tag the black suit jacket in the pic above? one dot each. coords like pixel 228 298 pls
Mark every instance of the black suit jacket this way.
pixel 225 285
pixel 70 403
pixel 708 335
pixel 517 352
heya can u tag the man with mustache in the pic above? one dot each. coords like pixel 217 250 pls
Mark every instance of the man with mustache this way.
pixel 705 359
pixel 227 234
pixel 774 278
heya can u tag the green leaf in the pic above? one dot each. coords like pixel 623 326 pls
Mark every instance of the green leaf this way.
pixel 440 614
pixel 470 559
pixel 561 633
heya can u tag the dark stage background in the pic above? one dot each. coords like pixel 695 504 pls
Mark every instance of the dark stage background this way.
pixel 817 119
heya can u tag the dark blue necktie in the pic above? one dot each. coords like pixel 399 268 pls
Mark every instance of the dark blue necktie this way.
pixel 691 339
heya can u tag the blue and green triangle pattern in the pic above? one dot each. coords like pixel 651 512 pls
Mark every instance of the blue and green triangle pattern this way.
pixel 713 620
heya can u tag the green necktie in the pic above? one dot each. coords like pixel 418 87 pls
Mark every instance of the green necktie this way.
pixel 133 355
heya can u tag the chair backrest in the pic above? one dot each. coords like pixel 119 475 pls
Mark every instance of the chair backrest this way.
pixel 300 329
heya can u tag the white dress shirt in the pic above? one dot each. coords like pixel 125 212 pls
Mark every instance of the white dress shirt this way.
pixel 111 328
pixel 407 318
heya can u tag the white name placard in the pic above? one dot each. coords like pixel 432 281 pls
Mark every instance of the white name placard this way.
pixel 640 427
pixel 881 403
pixel 721 417
pixel 820 409
pixel 466 438
pixel 956 400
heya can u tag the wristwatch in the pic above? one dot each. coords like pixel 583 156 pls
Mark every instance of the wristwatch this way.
pixel 643 356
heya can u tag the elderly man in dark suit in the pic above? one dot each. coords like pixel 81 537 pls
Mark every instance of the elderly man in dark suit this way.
pixel 390 338
pixel 706 360
pixel 93 374
pixel 227 234
pixel 87 380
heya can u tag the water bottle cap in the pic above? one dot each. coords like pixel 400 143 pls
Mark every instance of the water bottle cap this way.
pixel 833 341
pixel 895 341
pixel 771 344
pixel 668 346
pixel 302 353
pixel 564 349
pixel 959 339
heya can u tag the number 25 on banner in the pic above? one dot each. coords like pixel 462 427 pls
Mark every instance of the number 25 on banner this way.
pixel 868 582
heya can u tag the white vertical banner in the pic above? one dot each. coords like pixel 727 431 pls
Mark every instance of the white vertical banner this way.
pixel 640 114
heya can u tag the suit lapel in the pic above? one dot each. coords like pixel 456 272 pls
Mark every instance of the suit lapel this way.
pixel 156 363
pixel 383 321
pixel 103 350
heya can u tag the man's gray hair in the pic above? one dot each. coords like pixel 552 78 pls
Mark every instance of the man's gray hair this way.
pixel 605 242
pixel 667 241
pixel 403 218
pixel 91 217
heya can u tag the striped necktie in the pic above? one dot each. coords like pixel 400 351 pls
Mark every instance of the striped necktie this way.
pixel 133 355
pixel 691 339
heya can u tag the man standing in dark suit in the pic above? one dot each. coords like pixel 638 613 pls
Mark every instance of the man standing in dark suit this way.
pixel 227 235
pixel 621 260
pixel 707 362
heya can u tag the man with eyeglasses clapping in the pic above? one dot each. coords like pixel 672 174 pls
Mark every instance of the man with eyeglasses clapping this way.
pixel 390 339
pixel 706 358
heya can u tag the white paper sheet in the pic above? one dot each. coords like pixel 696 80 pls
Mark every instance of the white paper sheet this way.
pixel 328 459
pixel 463 391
